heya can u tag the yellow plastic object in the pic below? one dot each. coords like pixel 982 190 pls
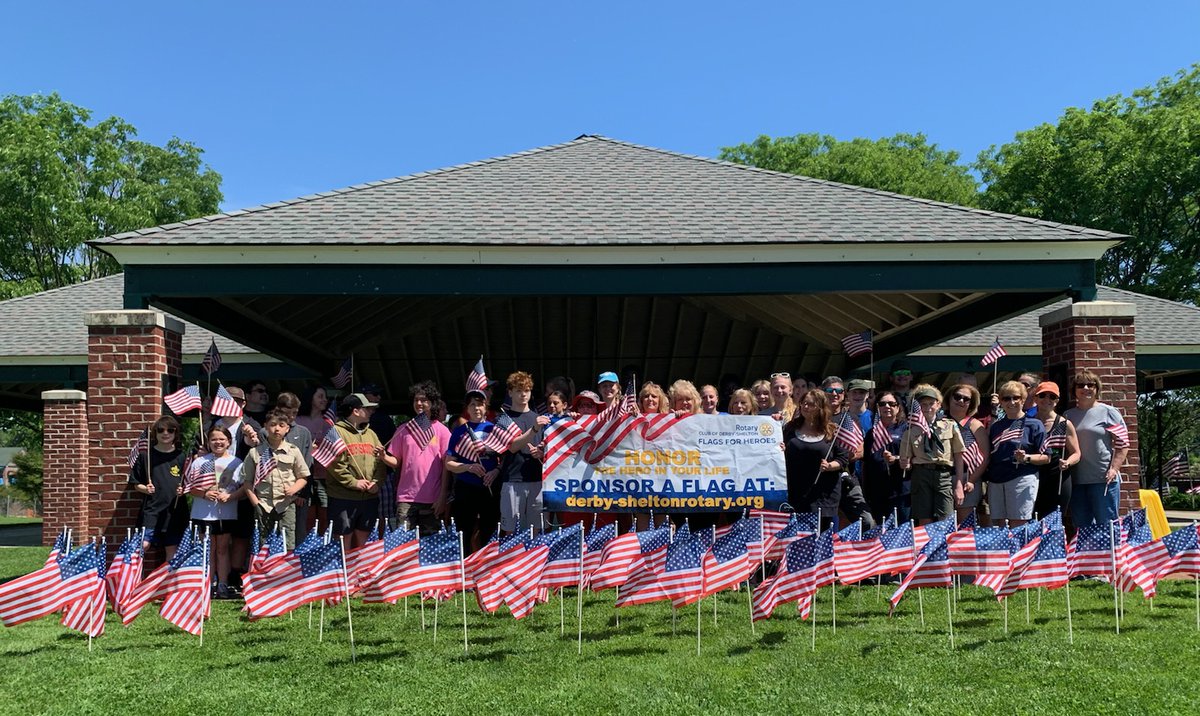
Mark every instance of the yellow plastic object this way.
pixel 1154 513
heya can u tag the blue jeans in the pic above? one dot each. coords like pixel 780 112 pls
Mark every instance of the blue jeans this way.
pixel 1091 504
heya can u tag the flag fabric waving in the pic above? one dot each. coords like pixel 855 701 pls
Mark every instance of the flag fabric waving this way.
pixel 1056 437
pixel 1120 435
pixel 596 541
pixel 184 400
pixel 301 577
pixel 86 614
pixel 212 359
pixel 682 575
pixel 642 586
pixel 931 568
pixel 224 405
pixel 994 353
pixel 382 580
pixel 983 550
pixel 186 572
pixel 1176 467
pixel 563 562
pixel 330 446
pixel 342 378
pixel 1183 552
pixel 125 571
pixel 53 587
pixel 881 437
pixel 729 561
pixel 916 418
pixel 856 344
pixel 972 455
pixel 421 429
pixel 266 463
pixel 849 433
pixel 477 378
pixel 200 474
pixel 141 445
pixel 1047 569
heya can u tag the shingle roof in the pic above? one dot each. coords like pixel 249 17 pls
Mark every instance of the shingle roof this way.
pixel 599 191
pixel 51 322
pixel 1159 322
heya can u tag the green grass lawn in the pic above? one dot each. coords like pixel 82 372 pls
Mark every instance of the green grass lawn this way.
pixel 872 665
pixel 20 520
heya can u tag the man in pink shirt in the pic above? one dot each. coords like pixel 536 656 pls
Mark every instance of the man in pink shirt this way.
pixel 419 447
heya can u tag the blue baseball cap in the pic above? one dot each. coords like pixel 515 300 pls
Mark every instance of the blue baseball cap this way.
pixel 607 377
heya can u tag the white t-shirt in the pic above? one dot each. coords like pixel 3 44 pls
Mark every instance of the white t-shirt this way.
pixel 229 479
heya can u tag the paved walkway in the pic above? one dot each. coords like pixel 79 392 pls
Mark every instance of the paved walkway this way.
pixel 26 535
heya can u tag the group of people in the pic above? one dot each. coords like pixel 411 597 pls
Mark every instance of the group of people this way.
pixel 1009 457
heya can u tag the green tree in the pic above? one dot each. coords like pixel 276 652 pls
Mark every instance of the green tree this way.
pixel 905 164
pixel 27 483
pixel 65 180
pixel 1129 165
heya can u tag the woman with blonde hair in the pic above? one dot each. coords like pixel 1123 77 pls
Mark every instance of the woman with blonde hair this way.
pixel 1016 455
pixel 962 401
pixel 685 399
pixel 651 399
pixel 763 402
pixel 741 402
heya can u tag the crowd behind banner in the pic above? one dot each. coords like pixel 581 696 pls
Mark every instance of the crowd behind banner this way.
pixel 852 451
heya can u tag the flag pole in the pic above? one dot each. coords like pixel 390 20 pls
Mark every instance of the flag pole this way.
pixel 579 606
pixel 750 604
pixel 1112 529
pixel 207 582
pixel 346 587
pixel 698 626
pixel 436 603
pixel 351 371
pixel 462 575
pixel 1070 625
pixel 812 614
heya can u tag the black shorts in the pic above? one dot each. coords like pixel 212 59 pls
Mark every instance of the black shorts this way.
pixel 214 527
pixel 351 515
pixel 166 528
pixel 245 524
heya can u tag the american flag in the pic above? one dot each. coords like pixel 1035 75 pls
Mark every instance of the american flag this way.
pixel 594 544
pixel 729 562
pixel 923 534
pixel 972 455
pixel 983 550
pixel 916 418
pixel 212 359
pixel 61 546
pixel 857 343
pixel 789 583
pixel 477 379
pixel 503 432
pixel 187 608
pixel 617 556
pixel 518 579
pixel 643 585
pixel 1056 437
pixel 490 588
pixel 141 445
pixel 436 565
pixel 125 571
pixel 1139 555
pixel 799 525
pixel 478 563
pixel 931 568
pixel 421 429
pixel 469 447
pixel 1176 467
pixel 1023 545
pixel 1120 435
pixel 1183 552
pixel 849 433
pixel 263 555
pixel 970 522
pixel 755 536
pixel 299 578
pixel 342 378
pixel 682 575
pixel 881 437
pixel 330 414
pixel 329 448
pixel 362 556
pixel 379 579
pixel 224 405
pixel 53 587
pixel 183 400
pixel 265 464
pixel 629 400
pixel 187 571
pixel 855 558
pixel 898 546
pixel 1013 433
pixel 1046 569
pixel 994 353
pixel 773 521
pixel 563 563
pixel 1053 521
pixel 86 614
pixel 1091 552
pixel 201 474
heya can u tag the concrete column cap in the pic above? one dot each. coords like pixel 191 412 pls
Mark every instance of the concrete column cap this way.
pixel 1088 309
pixel 71 395
pixel 145 318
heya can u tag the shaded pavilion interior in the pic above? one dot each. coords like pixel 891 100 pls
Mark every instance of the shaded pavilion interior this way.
pixel 594 255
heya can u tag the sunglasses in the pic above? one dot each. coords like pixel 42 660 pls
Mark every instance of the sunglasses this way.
pixel 1085 385
pixel 835 391
pixel 1011 398
pixel 901 373
pixel 887 403
pixel 164 430
pixel 781 375
pixel 961 398
pixel 1043 396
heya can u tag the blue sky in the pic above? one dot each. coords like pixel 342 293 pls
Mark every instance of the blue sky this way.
pixel 293 98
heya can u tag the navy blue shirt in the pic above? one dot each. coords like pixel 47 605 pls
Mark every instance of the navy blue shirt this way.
pixel 488 461
pixel 1001 467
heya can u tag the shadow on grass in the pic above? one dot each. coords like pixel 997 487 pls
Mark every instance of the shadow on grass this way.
pixel 371 657
pixel 636 651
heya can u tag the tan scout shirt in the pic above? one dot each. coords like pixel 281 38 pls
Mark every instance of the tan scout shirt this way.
pixel 289 467
pixel 928 451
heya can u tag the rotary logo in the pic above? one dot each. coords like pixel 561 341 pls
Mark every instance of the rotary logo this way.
pixel 765 429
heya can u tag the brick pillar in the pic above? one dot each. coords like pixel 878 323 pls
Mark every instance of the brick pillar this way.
pixel 1098 336
pixel 131 356
pixel 65 495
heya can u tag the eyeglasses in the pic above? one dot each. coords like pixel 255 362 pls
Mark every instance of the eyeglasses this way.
pixel 887 404
pixel 961 398
pixel 1085 385
pixel 781 375
pixel 1043 396
pixel 1011 398
pixel 164 430
pixel 901 373
pixel 835 391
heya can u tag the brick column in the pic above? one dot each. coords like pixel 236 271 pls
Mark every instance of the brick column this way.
pixel 65 495
pixel 1098 336
pixel 131 357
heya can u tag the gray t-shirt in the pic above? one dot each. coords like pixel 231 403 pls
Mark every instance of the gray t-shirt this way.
pixel 1095 441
